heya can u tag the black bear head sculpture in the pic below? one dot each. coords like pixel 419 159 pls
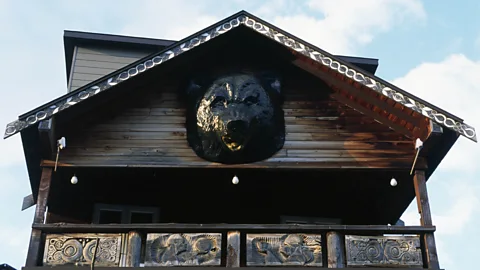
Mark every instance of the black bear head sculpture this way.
pixel 235 118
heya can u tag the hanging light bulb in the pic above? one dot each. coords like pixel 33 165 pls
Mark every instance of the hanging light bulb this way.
pixel 74 180
pixel 235 180
pixel 393 182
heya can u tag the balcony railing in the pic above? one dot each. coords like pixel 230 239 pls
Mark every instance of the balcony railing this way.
pixel 229 245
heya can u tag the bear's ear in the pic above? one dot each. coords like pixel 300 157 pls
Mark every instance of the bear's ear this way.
pixel 193 88
pixel 271 81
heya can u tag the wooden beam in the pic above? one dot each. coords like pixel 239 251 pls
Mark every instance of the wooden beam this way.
pixel 370 113
pixel 331 80
pixel 335 250
pixel 134 249
pixel 430 250
pixel 35 247
pixel 256 228
pixel 47 138
pixel 233 249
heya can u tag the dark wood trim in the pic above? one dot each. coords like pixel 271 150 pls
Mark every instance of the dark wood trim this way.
pixel 47 138
pixel 34 249
pixel 180 227
pixel 233 249
pixel 134 249
pixel 423 205
pixel 199 268
pixel 430 250
pixel 335 250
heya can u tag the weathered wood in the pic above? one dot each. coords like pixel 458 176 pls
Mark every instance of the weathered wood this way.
pixel 284 249
pixel 67 267
pixel 134 249
pixel 34 249
pixel 423 205
pixel 383 251
pixel 47 140
pixel 195 162
pixel 335 250
pixel 183 249
pixel 257 228
pixel 233 249
pixel 79 249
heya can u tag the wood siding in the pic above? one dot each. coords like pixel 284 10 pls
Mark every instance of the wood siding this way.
pixel 320 133
pixel 92 63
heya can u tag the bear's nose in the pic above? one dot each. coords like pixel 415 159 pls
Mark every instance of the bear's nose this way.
pixel 237 125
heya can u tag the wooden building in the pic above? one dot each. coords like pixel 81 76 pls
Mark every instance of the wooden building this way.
pixel 167 161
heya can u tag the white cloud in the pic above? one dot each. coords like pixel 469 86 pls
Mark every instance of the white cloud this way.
pixel 348 24
pixel 453 85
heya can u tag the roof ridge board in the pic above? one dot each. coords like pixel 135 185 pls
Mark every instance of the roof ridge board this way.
pixel 336 57
pixel 127 67
pixel 268 30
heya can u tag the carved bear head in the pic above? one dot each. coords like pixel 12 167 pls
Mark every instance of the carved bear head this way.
pixel 235 118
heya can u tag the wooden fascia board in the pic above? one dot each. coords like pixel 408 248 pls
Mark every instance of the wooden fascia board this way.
pixel 243 19
pixel 339 85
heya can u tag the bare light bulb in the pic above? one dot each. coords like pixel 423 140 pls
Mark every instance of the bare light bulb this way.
pixel 393 182
pixel 235 180
pixel 74 179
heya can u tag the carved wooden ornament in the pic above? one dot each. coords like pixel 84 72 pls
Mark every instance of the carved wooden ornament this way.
pixel 166 249
pixel 78 249
pixel 284 250
pixel 383 251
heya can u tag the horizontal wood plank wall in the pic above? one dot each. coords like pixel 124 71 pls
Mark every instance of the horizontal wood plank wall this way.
pixel 92 63
pixel 321 133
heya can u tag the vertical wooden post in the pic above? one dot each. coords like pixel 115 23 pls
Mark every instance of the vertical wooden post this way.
pixel 233 249
pixel 423 205
pixel 335 250
pixel 33 255
pixel 134 249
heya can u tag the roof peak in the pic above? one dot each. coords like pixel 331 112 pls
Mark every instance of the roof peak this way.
pixel 327 61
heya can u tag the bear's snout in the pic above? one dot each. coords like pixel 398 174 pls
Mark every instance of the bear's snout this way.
pixel 237 126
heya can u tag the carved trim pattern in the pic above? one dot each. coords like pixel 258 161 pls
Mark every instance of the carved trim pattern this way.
pixel 188 249
pixel 383 251
pixel 78 249
pixel 220 28
pixel 284 250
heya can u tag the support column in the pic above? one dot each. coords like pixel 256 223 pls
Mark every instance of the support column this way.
pixel 423 205
pixel 33 255
pixel 335 250
pixel 134 249
pixel 233 249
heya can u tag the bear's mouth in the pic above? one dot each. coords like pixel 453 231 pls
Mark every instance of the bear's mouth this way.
pixel 233 143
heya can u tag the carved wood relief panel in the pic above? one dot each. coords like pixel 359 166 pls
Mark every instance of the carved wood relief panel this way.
pixel 284 250
pixel 383 251
pixel 78 249
pixel 187 249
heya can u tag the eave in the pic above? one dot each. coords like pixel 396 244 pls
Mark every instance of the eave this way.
pixel 336 67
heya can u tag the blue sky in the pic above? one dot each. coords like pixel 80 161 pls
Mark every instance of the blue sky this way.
pixel 429 48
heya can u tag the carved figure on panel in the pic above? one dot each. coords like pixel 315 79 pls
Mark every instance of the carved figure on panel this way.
pixel 236 118
pixel 78 249
pixel 387 250
pixel 183 249
pixel 288 249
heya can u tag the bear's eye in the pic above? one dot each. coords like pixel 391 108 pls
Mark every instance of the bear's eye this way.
pixel 250 100
pixel 219 101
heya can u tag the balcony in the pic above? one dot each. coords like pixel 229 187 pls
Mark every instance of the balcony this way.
pixel 229 245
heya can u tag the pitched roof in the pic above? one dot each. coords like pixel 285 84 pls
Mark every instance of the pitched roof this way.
pixel 244 19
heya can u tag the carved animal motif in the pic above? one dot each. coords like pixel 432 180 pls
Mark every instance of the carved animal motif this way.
pixel 287 249
pixel 183 249
pixel 235 118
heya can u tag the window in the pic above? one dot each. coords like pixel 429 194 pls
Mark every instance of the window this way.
pixel 109 213
pixel 309 220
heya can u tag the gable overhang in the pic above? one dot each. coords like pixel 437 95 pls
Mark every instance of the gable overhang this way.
pixel 339 74
pixel 72 39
